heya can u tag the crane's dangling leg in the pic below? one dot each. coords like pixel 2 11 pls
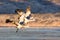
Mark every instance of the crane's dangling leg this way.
pixel 17 30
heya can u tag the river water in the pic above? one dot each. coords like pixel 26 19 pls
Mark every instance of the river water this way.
pixel 30 34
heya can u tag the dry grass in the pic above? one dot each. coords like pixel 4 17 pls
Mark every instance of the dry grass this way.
pixel 41 19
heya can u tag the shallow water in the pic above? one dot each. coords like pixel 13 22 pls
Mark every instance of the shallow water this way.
pixel 30 34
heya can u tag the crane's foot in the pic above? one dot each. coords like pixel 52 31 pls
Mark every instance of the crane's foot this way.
pixel 17 30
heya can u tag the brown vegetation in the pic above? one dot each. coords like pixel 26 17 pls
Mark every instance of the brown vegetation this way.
pixel 55 1
pixel 41 20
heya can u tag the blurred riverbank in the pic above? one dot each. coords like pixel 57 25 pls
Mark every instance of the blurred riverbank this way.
pixel 42 20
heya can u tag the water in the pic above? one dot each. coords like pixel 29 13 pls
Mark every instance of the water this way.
pixel 30 34
pixel 37 6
